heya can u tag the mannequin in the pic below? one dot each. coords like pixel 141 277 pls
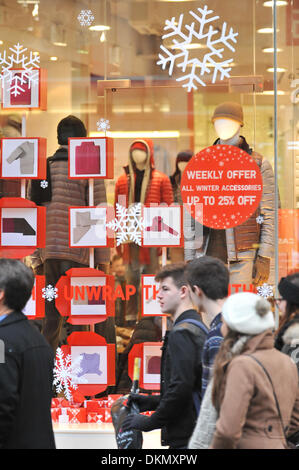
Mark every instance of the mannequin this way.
pixel 247 248
pixel 141 182
pixel 179 254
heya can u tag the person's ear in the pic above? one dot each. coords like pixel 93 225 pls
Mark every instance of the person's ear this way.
pixel 185 291
pixel 1 295
pixel 198 291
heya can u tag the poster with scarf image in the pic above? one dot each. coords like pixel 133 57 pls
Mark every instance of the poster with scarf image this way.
pixel 23 158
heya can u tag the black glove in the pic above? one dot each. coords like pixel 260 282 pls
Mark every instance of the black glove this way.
pixel 144 402
pixel 261 270
pixel 139 422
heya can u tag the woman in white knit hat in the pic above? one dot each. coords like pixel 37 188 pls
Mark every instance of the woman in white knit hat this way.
pixel 255 387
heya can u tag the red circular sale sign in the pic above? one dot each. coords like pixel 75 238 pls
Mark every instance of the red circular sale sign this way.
pixel 222 186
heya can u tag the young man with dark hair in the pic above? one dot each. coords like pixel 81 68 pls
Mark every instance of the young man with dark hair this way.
pixel 26 367
pixel 208 279
pixel 177 407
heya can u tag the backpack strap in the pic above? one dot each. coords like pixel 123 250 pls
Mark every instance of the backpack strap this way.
pixel 194 326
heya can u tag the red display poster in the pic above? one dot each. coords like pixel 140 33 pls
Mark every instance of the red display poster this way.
pixel 91 158
pixel 35 307
pixel 150 354
pixel 163 226
pixel 225 182
pixel 86 296
pixel 23 227
pixel 28 94
pixel 23 158
pixel 292 23
pixel 95 360
pixel 149 291
pixel 88 227
pixel 288 241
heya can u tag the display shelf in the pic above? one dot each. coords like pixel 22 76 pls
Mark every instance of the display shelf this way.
pixel 96 436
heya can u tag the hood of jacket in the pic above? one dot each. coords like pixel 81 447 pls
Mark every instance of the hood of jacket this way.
pixel 149 167
pixel 291 335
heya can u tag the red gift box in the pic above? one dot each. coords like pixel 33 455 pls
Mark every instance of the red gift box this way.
pixel 93 406
pixel 108 417
pixel 59 403
pixel 76 415
pixel 55 412
pixel 112 399
pixel 94 417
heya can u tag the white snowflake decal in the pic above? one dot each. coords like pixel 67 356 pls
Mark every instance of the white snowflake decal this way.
pixel 49 293
pixel 128 224
pixel 212 38
pixel 66 373
pixel 260 219
pixel 265 291
pixel 44 184
pixel 103 125
pixel 18 60
pixel 85 17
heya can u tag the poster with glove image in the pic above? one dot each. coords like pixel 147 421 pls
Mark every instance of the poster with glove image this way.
pixel 162 226
pixel 23 158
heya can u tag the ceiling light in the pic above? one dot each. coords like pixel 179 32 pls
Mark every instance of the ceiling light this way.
pixel 1 42
pixel 279 3
pixel 53 58
pixel 103 37
pixel 278 69
pixel 188 46
pixel 266 30
pixel 271 92
pixel 82 51
pixel 270 50
pixel 35 11
pixel 99 27
pixel 60 44
pixel 138 135
pixel 28 2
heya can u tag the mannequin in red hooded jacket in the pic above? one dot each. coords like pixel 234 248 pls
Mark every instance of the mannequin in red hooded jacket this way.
pixel 141 182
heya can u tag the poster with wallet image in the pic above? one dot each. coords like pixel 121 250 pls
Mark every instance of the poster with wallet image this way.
pixel 90 157
pixel 19 227
pixel 88 296
pixel 23 158
pixel 87 226
pixel 151 364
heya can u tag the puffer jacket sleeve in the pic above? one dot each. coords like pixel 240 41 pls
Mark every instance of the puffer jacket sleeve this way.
pixel 166 191
pixel 267 209
pixel 101 255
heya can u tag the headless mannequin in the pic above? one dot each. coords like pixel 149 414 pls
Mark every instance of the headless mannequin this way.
pixel 228 131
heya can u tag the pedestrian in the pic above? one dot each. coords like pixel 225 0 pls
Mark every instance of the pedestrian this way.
pixel 61 193
pixel 26 370
pixel 177 407
pixel 255 388
pixel 208 279
pixel 287 338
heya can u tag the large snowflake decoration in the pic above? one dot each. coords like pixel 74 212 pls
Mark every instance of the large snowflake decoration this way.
pixel 194 70
pixel 85 17
pixel 103 125
pixel 265 291
pixel 16 79
pixel 66 373
pixel 49 293
pixel 128 224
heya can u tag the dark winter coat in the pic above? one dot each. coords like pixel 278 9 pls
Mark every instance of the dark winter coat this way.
pixel 181 371
pixel 26 379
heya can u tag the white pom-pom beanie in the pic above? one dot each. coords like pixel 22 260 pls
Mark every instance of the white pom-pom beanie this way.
pixel 248 313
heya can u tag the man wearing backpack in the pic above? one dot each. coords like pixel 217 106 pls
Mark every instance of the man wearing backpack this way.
pixel 177 407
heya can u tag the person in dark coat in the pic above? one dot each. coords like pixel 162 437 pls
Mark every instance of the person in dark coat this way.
pixel 177 407
pixel 26 366
pixel 287 338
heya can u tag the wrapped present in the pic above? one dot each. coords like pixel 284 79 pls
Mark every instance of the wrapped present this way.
pixel 55 412
pixel 76 415
pixel 92 406
pixel 59 403
pixel 108 417
pixel 78 399
pixel 63 418
pixel 112 399
pixel 94 417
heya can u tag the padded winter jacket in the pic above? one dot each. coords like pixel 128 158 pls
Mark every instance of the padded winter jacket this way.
pixel 66 193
